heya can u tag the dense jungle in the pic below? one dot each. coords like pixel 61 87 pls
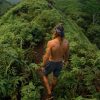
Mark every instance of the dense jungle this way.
pixel 26 27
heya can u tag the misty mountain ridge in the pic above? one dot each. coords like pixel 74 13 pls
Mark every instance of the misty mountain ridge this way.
pixel 13 1
pixel 4 6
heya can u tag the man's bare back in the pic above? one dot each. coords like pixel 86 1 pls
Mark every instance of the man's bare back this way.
pixel 58 49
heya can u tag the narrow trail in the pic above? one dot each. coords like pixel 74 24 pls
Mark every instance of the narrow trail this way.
pixel 39 51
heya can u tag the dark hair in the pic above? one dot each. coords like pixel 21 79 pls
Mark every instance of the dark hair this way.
pixel 59 29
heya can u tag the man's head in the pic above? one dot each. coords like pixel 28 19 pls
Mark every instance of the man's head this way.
pixel 59 31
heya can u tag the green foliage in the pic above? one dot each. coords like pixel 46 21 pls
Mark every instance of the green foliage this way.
pixel 80 79
pixel 71 7
pixel 29 24
pixel 91 6
pixel 94 34
pixel 4 6
pixel 30 92
pixel 83 12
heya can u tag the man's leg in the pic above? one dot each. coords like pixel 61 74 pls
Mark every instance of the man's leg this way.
pixel 56 73
pixel 46 84
pixel 53 83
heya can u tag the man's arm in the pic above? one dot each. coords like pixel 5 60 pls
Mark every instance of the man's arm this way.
pixel 47 54
pixel 66 56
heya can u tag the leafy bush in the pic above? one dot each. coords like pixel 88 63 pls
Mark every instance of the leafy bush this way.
pixel 93 34
pixel 30 92
pixel 28 25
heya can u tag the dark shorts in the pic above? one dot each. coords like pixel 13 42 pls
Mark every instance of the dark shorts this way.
pixel 54 67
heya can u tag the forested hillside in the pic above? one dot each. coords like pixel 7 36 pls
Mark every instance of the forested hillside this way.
pixel 24 32
pixel 14 1
pixel 86 13
pixel 4 6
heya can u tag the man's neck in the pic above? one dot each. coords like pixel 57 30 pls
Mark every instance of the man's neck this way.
pixel 59 38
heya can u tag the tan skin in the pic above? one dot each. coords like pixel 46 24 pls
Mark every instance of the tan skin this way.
pixel 56 52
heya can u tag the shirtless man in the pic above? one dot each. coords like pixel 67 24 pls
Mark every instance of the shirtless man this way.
pixel 56 52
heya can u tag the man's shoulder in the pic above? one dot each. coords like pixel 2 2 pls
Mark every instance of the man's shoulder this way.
pixel 51 43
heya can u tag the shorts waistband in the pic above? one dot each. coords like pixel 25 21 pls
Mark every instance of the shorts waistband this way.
pixel 56 61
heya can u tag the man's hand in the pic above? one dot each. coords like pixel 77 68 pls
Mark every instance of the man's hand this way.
pixel 42 66
pixel 42 69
